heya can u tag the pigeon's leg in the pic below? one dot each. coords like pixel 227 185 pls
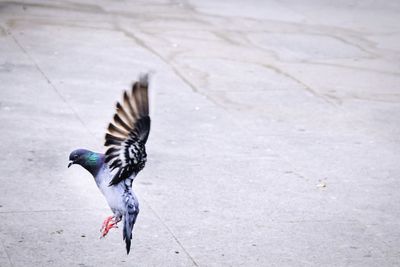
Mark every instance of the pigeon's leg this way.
pixel 109 223
pixel 106 222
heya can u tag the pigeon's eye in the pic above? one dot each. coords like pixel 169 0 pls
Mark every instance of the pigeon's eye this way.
pixel 75 156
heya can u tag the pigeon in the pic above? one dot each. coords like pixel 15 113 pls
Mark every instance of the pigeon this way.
pixel 115 170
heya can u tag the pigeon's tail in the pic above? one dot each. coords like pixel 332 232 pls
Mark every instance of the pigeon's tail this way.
pixel 132 210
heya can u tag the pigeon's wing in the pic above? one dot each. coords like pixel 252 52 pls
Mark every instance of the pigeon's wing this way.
pixel 128 132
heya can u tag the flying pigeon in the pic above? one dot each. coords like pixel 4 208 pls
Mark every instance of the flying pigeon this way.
pixel 125 157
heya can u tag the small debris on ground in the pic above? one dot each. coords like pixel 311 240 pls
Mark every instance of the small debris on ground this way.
pixel 57 232
pixel 321 184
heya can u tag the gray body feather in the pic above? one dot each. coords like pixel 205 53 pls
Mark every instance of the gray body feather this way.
pixel 121 199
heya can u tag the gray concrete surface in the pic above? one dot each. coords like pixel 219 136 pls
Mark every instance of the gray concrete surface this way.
pixel 275 135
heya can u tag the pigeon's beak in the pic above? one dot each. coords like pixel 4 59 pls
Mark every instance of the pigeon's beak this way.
pixel 69 164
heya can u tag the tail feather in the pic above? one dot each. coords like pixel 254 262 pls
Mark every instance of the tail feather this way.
pixel 132 210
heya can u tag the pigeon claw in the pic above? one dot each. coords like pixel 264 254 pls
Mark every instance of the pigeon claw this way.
pixel 108 224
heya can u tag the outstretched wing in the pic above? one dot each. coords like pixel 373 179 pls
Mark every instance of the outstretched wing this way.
pixel 128 132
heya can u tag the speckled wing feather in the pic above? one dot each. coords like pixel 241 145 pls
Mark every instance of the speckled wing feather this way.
pixel 128 132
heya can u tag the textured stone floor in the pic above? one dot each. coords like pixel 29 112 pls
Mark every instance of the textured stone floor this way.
pixel 275 131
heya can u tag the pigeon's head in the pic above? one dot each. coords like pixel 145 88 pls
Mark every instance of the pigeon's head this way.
pixel 79 156
pixel 89 160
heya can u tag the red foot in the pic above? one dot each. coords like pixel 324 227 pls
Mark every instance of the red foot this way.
pixel 108 224
pixel 105 223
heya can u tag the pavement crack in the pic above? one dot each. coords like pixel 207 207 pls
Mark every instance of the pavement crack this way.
pixel 144 45
pixel 171 233
pixel 78 7
pixel 305 86
pixel 51 211
pixel 49 81
pixel 5 251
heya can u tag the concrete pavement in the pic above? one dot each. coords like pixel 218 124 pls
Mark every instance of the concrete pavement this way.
pixel 274 142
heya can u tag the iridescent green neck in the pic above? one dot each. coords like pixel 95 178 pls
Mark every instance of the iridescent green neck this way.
pixel 93 162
